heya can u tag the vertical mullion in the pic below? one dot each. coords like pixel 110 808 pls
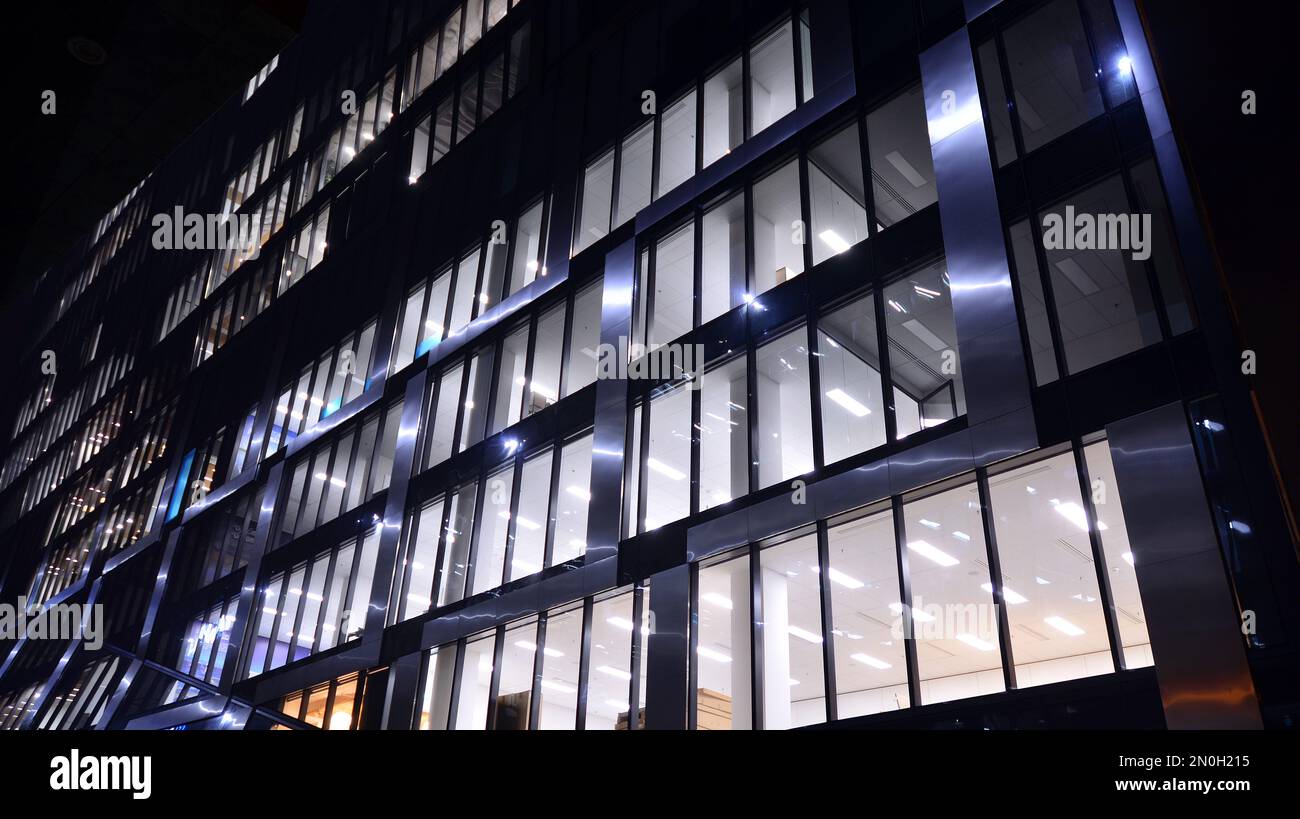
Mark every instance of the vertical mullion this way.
pixel 635 661
pixel 402 583
pixel 570 304
pixel 995 577
pixel 539 668
pixel 351 587
pixel 616 176
pixel 553 494
pixel 320 618
pixel 643 447
pixel 905 591
pixel 814 383
pixel 795 35
pixel 828 620
pixel 471 555
pixel 458 668
pixel 280 605
pixel 494 686
pixel 886 369
pixel 693 644
pixel 530 360
pixel 302 608
pixel 1098 557
pixel 584 664
pixel 757 653
pixel 512 523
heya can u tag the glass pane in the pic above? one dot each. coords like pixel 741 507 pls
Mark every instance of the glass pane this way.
pixel 476 399
pixel 1037 322
pixel 529 549
pixel 544 389
pixel 994 94
pixel 724 691
pixel 609 678
pixel 794 688
pixel 924 362
pixel 597 190
pixel 852 400
pixel 510 380
pixel 635 163
pixel 870 661
pixel 723 112
pixel 528 248
pixel 462 307
pixel 724 434
pixel 515 690
pixel 677 143
pixel 839 212
pixel 723 270
pixel 1103 298
pixel 439 675
pixel 674 287
pixel 955 621
pixel 784 410
pixel 422 560
pixel 771 78
pixel 584 340
pixel 1149 198
pixel 778 228
pixel 442 418
pixel 1119 557
pixel 559 686
pixel 455 559
pixel 573 501
pixel 1052 73
pixel 668 459
pixel 490 552
pixel 902 170
pixel 1058 628
pixel 475 684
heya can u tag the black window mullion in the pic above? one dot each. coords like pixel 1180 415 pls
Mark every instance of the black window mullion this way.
pixel 693 641
pixel 357 549
pixel 402 582
pixel 552 502
pixel 584 664
pixel 494 686
pixel 828 621
pixel 886 368
pixel 443 529
pixel 458 668
pixel 757 654
pixel 324 605
pixel 1099 558
pixel 539 668
pixel 905 591
pixel 530 361
pixel 995 577
pixel 472 554
pixel 512 523
pixel 635 661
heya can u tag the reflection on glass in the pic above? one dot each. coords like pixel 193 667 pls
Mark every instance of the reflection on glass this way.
pixel 925 364
pixel 724 434
pixel 723 688
pixel 784 409
pixel 853 410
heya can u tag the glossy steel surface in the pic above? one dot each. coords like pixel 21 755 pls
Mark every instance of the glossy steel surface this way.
pixel 1192 620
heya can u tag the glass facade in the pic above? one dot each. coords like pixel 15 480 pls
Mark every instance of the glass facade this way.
pixel 499 366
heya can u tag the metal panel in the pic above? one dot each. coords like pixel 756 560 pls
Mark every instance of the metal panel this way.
pixel 670 610
pixel 1191 616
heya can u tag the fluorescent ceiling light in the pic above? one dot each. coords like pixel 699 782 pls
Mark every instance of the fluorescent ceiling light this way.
pixel 709 654
pixel 897 306
pixel 926 335
pixel 664 469
pixel 932 553
pixel 1064 626
pixel 1012 596
pixel 848 402
pixel 929 523
pixel 844 580
pixel 616 673
pixel 976 643
pixel 867 659
pixel 834 241
pixel 804 634
pixel 1077 276
pixel 1042 582
pixel 925 291
pixel 717 599
pixel 961 536
pixel 1128 558
pixel 905 168
pixel 578 492
pixel 1073 512
pixel 527 524
pixel 530 646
